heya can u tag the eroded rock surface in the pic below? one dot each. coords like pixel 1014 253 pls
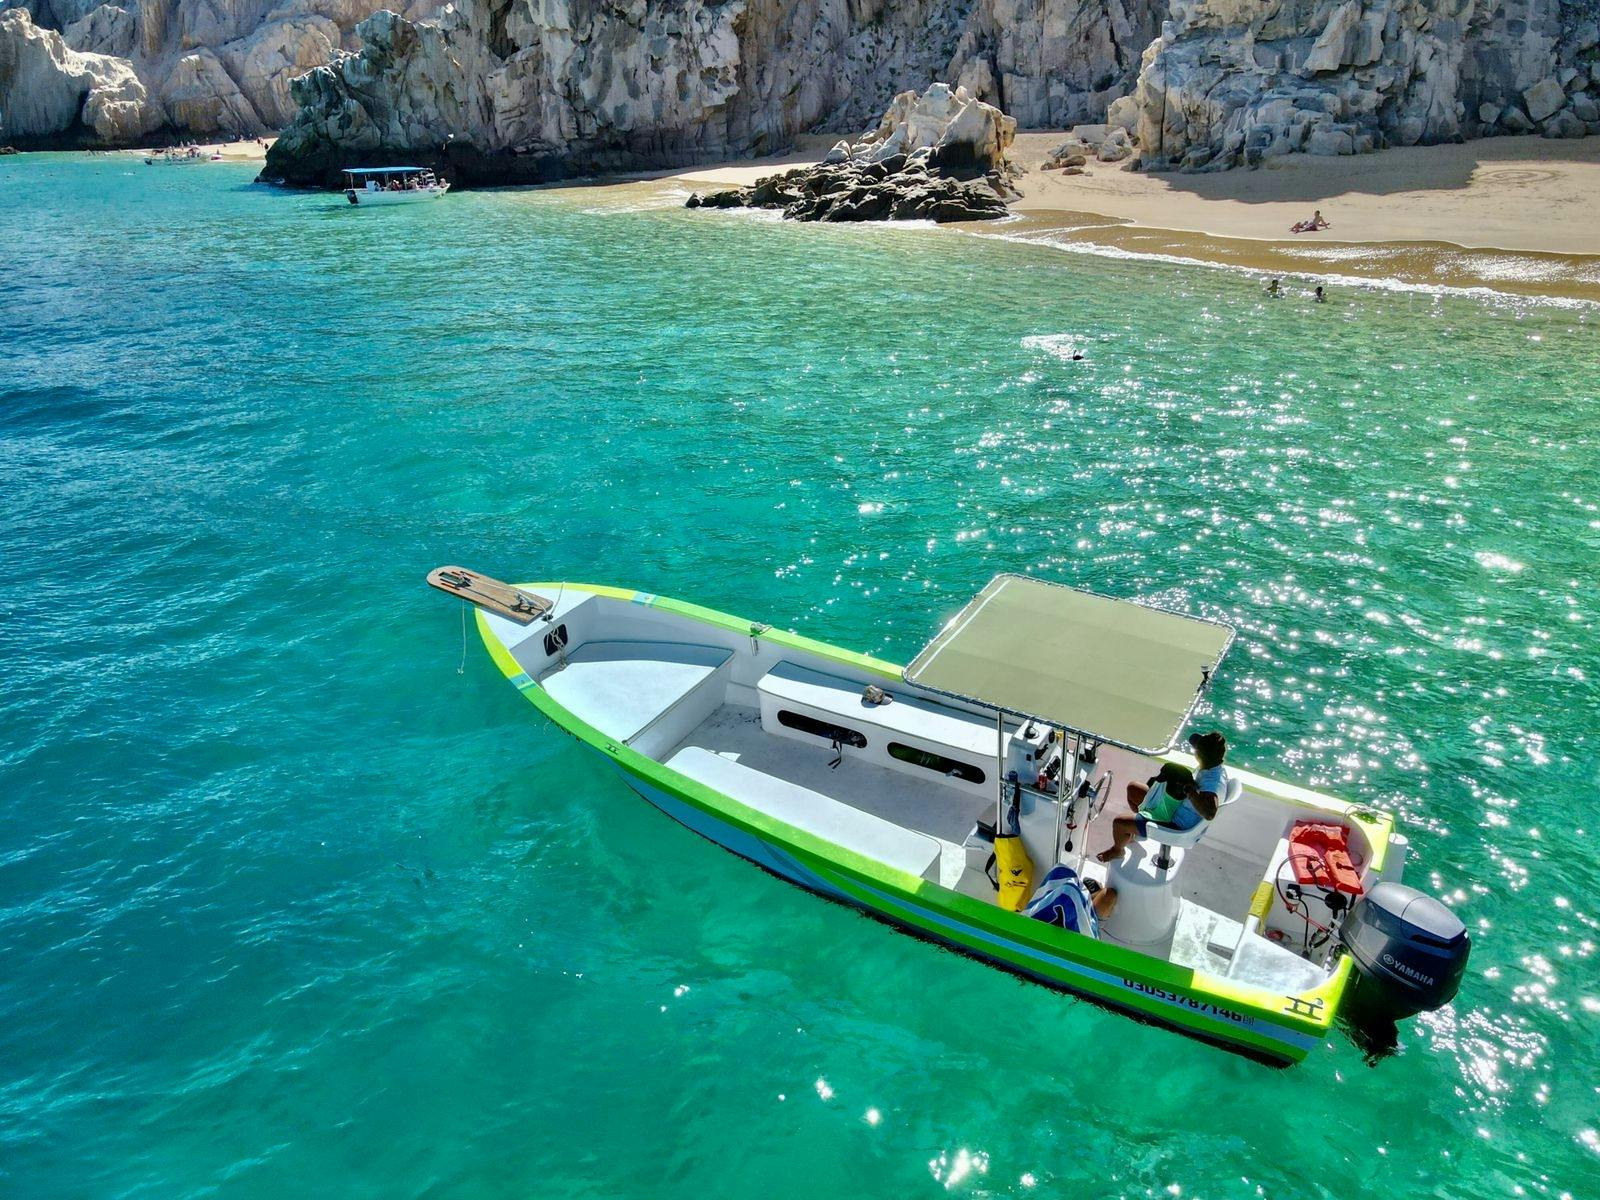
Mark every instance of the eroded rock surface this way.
pixel 83 72
pixel 940 156
pixel 510 90
pixel 1233 82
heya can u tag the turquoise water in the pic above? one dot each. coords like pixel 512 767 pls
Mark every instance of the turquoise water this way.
pixel 291 902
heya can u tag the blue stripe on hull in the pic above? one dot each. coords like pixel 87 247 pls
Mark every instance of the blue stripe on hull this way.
pixel 772 858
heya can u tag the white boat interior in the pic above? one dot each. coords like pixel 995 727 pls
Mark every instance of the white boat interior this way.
pixel 913 783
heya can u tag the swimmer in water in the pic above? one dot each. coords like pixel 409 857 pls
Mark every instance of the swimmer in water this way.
pixel 1321 299
pixel 1274 290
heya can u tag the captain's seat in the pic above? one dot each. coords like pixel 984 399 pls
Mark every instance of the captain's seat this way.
pixel 1171 838
pixel 1146 879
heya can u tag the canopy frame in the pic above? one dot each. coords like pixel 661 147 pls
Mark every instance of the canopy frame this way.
pixel 1224 636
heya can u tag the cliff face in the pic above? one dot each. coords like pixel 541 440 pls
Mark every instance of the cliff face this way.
pixel 1236 81
pixel 85 72
pixel 508 90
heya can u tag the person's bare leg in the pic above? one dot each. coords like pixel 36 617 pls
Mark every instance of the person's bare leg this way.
pixel 1105 902
pixel 1123 831
pixel 1136 794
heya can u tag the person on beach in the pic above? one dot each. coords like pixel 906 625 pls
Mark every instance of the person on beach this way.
pixel 1312 224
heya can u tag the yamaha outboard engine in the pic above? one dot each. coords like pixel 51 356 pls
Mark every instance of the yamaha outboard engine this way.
pixel 1410 952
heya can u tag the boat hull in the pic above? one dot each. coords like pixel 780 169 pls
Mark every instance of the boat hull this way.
pixel 1271 1028
pixel 1196 1016
pixel 360 198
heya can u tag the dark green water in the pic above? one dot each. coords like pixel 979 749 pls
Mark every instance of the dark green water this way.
pixel 289 904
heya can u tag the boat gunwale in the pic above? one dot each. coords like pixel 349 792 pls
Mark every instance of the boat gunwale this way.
pixel 1281 1010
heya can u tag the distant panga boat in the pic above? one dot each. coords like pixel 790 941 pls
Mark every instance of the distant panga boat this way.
pixel 392 185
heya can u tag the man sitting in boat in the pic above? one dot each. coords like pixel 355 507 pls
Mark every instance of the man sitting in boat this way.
pixel 1176 797
pixel 1211 784
pixel 1063 899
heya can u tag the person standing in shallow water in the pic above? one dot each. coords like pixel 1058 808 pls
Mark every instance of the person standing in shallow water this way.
pixel 1320 297
pixel 1274 290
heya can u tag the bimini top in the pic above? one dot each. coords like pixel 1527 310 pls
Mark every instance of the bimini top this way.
pixel 384 170
pixel 1117 671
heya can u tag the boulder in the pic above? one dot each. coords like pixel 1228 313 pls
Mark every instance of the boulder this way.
pixel 1070 153
pixel 1115 147
pixel 964 136
pixel 1329 141
pixel 1564 125
pixel 1584 107
pixel 1544 98
pixel 1515 120
pixel 1123 113
pixel 939 156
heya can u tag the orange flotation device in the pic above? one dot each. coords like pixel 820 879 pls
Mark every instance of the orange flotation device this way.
pixel 1320 856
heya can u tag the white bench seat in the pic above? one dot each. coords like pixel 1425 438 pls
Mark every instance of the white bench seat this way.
pixel 621 687
pixel 872 837
pixel 970 734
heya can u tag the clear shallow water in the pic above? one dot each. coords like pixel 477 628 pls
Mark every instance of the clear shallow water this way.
pixel 287 902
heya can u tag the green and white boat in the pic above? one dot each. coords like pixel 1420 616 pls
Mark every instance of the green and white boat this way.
pixel 1030 711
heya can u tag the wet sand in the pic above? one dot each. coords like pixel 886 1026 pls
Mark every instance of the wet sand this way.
pixel 1513 215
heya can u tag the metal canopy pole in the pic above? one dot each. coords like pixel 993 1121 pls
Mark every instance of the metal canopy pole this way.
pixel 1000 771
pixel 1083 832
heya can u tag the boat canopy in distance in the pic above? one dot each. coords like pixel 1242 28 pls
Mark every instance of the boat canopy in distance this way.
pixel 385 170
pixel 1117 671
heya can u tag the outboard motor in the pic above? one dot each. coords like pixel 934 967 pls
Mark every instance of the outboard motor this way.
pixel 1410 952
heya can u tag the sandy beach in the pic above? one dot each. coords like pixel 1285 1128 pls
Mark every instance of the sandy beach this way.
pixel 249 150
pixel 1510 214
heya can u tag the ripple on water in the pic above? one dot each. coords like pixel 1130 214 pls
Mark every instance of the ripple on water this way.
pixel 292 891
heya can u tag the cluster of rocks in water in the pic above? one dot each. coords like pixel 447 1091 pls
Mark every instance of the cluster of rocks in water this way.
pixel 940 156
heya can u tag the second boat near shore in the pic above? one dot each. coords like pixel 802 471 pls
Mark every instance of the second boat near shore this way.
pixel 391 185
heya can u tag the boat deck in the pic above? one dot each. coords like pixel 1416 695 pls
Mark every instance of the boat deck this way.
pixel 943 814
pixel 1212 878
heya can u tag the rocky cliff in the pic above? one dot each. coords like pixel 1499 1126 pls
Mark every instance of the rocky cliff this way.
pixel 506 90
pixel 83 72
pixel 1237 81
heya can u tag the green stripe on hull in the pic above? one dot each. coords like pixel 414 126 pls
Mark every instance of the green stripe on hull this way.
pixel 1280 1028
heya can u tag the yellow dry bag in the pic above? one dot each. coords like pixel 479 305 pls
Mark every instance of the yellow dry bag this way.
pixel 1013 872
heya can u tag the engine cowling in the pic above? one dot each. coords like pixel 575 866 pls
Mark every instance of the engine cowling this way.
pixel 1410 953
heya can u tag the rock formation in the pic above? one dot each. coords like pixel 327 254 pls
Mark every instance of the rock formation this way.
pixel 82 72
pixel 510 90
pixel 922 162
pixel 1237 81
pixel 1055 63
